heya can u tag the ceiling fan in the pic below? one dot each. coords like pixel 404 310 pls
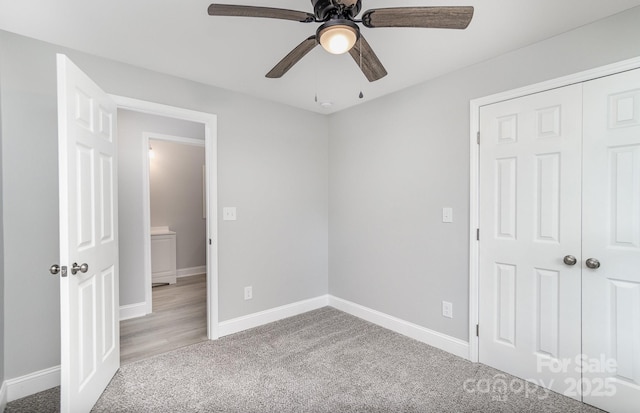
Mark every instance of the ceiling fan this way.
pixel 339 32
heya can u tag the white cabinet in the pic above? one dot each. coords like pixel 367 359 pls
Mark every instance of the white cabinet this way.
pixel 163 255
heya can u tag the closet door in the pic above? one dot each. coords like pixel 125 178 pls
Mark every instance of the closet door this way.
pixel 611 225
pixel 530 199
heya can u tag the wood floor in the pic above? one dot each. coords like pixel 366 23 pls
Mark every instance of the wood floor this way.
pixel 179 318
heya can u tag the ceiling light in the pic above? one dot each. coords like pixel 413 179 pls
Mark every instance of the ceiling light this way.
pixel 338 36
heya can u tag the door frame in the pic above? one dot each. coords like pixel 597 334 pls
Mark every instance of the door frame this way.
pixel 474 164
pixel 146 203
pixel 211 158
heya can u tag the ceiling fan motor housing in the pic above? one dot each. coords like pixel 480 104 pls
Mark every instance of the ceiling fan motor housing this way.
pixel 326 9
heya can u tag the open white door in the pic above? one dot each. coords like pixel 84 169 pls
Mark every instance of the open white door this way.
pixel 88 238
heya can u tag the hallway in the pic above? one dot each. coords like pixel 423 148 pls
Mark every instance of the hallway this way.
pixel 179 319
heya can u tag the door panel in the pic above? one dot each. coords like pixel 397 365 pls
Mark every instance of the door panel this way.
pixel 88 234
pixel 611 222
pixel 547 312
pixel 529 194
pixel 107 196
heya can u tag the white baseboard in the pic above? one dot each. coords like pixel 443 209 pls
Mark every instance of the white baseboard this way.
pixel 133 310
pixel 3 396
pixel 433 338
pixel 268 316
pixel 32 383
pixel 188 272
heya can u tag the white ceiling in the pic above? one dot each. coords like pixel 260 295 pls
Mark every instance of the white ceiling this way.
pixel 179 38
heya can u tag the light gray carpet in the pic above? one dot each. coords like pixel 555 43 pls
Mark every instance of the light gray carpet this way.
pixel 321 361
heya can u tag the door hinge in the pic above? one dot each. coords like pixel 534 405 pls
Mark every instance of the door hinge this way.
pixel 478 137
pixel 477 234
pixel 477 330
pixel 209 241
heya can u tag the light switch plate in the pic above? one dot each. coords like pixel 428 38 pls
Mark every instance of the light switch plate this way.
pixel 447 214
pixel 229 213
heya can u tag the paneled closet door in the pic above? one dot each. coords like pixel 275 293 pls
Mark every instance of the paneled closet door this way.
pixel 611 226
pixel 530 199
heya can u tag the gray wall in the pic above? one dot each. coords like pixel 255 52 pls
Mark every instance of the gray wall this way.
pixel 30 202
pixel 176 198
pixel 131 126
pixel 396 161
pixel 272 165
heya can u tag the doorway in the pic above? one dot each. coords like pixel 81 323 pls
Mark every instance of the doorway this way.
pixel 136 172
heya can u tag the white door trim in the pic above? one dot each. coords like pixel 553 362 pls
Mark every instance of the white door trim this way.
pixel 175 139
pixel 474 153
pixel 146 205
pixel 211 148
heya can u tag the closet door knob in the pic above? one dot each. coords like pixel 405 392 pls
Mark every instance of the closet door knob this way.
pixel 592 263
pixel 570 260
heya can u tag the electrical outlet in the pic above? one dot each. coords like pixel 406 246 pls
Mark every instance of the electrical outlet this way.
pixel 248 293
pixel 447 309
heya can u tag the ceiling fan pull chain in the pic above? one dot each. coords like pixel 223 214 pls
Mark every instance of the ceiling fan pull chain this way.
pixel 315 78
pixel 361 95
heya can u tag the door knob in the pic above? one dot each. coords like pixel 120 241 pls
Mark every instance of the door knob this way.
pixel 570 260
pixel 55 269
pixel 592 263
pixel 82 268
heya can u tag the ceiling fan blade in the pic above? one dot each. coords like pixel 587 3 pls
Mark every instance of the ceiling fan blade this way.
pixel 369 62
pixel 426 17
pixel 267 12
pixel 292 58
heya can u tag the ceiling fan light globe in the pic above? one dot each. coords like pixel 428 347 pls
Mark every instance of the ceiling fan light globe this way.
pixel 338 39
